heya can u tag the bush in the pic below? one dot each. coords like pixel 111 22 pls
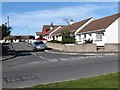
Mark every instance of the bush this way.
pixel 67 38
pixel 88 41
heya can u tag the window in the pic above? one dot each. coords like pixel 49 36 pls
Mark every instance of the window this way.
pixel 37 43
pixel 79 37
pixel 99 36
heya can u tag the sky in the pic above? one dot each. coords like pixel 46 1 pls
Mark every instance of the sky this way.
pixel 29 17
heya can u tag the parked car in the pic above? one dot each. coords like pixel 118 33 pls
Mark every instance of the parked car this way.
pixel 39 45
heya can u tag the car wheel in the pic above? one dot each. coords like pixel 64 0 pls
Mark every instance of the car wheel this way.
pixel 34 49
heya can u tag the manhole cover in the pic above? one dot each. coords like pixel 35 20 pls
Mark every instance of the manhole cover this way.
pixel 19 78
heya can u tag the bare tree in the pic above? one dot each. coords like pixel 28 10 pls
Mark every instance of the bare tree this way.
pixel 67 21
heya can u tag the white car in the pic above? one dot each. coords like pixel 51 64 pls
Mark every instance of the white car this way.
pixel 39 45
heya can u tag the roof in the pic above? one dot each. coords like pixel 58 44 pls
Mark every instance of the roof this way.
pixel 100 24
pixel 38 33
pixel 72 27
pixel 19 37
pixel 48 26
pixel 48 32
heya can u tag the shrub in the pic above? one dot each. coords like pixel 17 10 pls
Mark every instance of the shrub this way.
pixel 67 38
pixel 88 41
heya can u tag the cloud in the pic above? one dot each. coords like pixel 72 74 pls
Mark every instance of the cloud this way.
pixel 35 19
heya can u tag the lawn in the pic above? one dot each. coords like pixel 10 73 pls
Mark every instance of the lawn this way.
pixel 103 81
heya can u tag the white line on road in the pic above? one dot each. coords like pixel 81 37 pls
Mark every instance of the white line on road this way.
pixel 44 58
pixel 33 53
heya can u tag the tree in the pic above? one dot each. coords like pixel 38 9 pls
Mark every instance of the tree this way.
pixel 5 30
pixel 67 38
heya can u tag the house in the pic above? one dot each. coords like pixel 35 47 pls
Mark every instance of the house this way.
pixel 49 36
pixel 101 31
pixel 48 33
pixel 38 34
pixel 47 28
pixel 74 28
pixel 15 39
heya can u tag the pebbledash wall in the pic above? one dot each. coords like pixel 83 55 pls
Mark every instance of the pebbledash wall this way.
pixel 84 47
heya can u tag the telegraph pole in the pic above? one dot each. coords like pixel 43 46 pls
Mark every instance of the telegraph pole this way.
pixel 8 21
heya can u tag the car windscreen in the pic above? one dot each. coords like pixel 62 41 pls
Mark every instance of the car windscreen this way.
pixel 37 43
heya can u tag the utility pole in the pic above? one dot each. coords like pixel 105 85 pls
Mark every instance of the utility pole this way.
pixel 8 21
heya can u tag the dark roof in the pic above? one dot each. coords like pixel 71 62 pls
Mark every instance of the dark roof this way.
pixel 72 27
pixel 19 37
pixel 48 26
pixel 100 24
pixel 38 33
pixel 48 32
pixel 10 37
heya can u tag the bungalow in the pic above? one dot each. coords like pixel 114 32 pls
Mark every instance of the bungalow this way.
pixel 38 34
pixel 48 34
pixel 15 39
pixel 74 28
pixel 47 28
pixel 101 31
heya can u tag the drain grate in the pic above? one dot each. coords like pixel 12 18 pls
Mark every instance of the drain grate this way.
pixel 19 78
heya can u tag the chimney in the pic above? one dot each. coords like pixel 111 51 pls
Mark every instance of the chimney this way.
pixel 51 26
pixel 71 22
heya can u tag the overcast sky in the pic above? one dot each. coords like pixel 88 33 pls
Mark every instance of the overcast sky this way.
pixel 32 16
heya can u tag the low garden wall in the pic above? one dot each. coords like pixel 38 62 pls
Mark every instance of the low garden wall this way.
pixel 112 47
pixel 73 47
pixel 83 47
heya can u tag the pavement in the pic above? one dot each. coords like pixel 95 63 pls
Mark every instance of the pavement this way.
pixel 79 53
pixel 55 51
pixel 8 52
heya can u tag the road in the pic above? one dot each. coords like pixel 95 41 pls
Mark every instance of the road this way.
pixel 31 68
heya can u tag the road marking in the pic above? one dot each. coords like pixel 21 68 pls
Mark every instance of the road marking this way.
pixel 60 53
pixel 19 78
pixel 54 60
pixel 33 53
pixel 41 57
pixel 44 58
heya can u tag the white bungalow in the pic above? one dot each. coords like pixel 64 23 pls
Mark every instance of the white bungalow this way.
pixel 48 34
pixel 37 34
pixel 74 28
pixel 101 31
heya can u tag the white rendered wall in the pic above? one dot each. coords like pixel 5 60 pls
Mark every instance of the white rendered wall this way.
pixel 59 38
pixel 99 43
pixel 36 36
pixel 92 37
pixel 78 40
pixel 112 33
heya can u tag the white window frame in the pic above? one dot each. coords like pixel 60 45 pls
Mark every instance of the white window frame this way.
pixel 99 36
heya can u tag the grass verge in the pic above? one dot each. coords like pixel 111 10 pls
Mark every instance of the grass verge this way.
pixel 103 81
